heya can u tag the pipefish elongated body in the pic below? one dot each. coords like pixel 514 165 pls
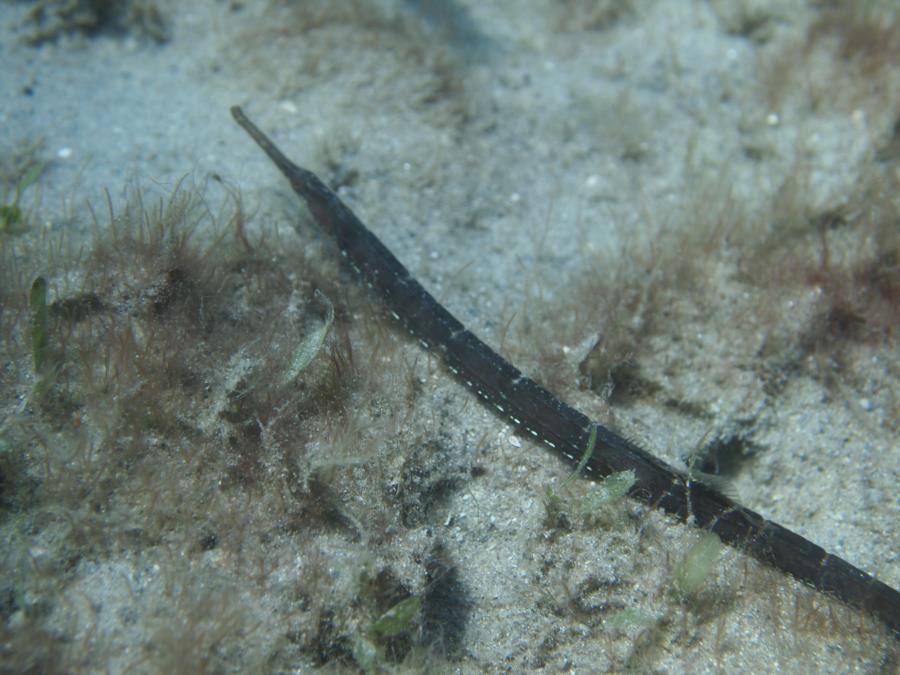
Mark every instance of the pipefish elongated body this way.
pixel 537 413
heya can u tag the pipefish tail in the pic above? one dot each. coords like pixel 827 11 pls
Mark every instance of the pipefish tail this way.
pixel 537 413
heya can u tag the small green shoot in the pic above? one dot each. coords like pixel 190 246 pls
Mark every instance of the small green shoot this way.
pixel 398 618
pixel 697 564
pixel 367 654
pixel 311 344
pixel 585 458
pixel 37 305
pixel 368 650
pixel 608 491
pixel 629 619
pixel 588 453
pixel 11 216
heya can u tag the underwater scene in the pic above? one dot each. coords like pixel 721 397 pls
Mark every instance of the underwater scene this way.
pixel 244 429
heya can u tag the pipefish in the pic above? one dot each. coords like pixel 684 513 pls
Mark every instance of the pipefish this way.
pixel 537 413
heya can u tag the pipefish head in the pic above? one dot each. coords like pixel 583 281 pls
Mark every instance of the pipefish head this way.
pixel 305 183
